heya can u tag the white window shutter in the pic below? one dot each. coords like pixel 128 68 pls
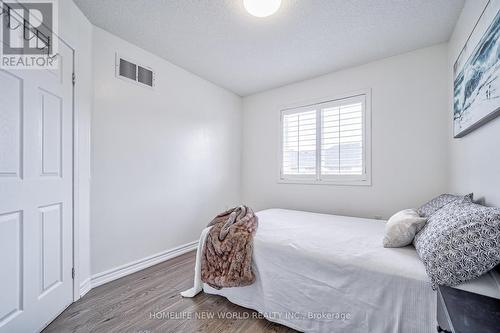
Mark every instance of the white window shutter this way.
pixel 342 139
pixel 299 143
pixel 327 143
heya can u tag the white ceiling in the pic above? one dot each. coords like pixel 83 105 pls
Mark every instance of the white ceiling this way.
pixel 219 41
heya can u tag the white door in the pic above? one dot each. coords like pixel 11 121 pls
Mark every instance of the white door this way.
pixel 36 195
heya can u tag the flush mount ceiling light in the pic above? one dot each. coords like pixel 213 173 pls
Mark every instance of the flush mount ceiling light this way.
pixel 262 8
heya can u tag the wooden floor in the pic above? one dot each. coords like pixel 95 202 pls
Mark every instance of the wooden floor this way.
pixel 146 301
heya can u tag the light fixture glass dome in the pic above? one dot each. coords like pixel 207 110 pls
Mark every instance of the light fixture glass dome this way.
pixel 262 8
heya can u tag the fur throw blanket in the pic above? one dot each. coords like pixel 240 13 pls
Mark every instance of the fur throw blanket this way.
pixel 226 260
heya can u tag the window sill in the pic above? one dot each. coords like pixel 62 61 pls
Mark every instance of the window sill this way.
pixel 349 182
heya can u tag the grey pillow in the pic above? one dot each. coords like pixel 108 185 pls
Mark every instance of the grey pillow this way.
pixel 460 242
pixel 401 228
pixel 439 202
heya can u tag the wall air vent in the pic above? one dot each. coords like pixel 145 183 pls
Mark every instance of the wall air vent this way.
pixel 132 72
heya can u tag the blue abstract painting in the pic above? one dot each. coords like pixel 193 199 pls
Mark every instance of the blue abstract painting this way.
pixel 477 85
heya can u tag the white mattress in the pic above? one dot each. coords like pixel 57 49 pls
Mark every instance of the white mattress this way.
pixel 327 273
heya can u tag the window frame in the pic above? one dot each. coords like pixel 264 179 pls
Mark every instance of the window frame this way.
pixel 318 104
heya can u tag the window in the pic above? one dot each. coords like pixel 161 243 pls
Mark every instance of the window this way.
pixel 327 142
pixel 299 143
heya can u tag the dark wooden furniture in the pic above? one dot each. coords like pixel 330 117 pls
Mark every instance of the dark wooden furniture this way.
pixel 460 311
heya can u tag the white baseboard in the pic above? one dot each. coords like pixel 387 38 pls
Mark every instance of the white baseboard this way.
pixel 85 287
pixel 135 266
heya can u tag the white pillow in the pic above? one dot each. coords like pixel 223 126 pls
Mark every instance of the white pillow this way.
pixel 402 228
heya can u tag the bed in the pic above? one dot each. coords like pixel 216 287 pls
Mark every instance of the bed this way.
pixel 327 273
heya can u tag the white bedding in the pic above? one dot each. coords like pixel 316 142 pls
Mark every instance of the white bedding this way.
pixel 327 273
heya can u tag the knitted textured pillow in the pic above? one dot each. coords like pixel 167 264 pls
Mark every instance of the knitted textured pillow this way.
pixel 439 202
pixel 460 242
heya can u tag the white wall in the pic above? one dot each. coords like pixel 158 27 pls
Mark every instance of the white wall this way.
pixel 76 30
pixel 143 141
pixel 475 158
pixel 164 161
pixel 409 138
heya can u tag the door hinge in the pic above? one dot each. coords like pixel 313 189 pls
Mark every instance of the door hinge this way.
pixel 73 273
pixel 73 78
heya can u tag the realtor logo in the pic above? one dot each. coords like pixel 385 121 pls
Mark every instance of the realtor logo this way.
pixel 29 34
